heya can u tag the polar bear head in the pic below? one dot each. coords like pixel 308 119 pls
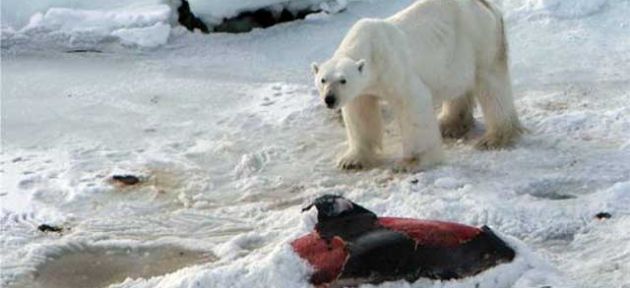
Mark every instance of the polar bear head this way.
pixel 339 80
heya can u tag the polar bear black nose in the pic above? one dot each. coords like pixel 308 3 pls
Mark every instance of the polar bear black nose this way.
pixel 330 100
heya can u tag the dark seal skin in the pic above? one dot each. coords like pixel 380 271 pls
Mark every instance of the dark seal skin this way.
pixel 337 216
pixel 352 246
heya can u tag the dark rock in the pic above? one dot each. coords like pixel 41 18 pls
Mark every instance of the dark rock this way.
pixel 603 215
pixel 286 16
pixel 261 18
pixel 552 195
pixel 414 181
pixel 84 51
pixel 49 228
pixel 187 19
pixel 126 179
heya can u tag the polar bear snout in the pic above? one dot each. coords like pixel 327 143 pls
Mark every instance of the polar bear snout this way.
pixel 330 100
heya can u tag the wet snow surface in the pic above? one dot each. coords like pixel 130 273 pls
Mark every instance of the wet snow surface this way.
pixel 228 139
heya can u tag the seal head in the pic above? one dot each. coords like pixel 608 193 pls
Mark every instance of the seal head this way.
pixel 338 216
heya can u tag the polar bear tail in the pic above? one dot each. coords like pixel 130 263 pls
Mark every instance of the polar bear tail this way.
pixel 502 52
pixel 503 45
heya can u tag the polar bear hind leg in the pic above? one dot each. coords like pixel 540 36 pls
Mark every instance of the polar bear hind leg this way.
pixel 494 92
pixel 456 117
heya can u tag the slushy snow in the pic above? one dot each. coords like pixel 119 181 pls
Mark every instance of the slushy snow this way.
pixel 230 140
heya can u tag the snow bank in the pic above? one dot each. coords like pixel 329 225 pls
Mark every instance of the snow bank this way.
pixel 151 36
pixel 74 20
pixel 141 23
pixel 566 9
pixel 16 13
pixel 145 27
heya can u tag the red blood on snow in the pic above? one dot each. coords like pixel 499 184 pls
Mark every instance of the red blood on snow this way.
pixel 327 259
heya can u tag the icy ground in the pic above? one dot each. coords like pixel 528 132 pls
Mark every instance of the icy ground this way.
pixel 230 139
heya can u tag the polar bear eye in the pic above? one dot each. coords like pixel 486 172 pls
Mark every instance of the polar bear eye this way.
pixel 342 81
pixel 323 81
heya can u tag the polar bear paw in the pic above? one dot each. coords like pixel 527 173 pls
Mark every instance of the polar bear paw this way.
pixel 354 161
pixel 501 138
pixel 407 165
pixel 493 141
pixel 455 129
pixel 417 162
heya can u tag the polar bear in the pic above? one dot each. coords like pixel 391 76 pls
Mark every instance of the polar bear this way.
pixel 445 52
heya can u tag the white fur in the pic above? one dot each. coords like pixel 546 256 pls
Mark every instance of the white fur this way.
pixel 435 51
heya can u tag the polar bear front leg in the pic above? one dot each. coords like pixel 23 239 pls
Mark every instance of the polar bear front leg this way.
pixel 421 139
pixel 364 128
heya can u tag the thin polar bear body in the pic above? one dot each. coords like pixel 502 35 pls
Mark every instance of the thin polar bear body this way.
pixel 435 51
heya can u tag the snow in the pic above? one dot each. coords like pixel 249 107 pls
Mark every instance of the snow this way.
pixel 152 36
pixel 137 23
pixel 16 13
pixel 567 9
pixel 230 139
pixel 147 26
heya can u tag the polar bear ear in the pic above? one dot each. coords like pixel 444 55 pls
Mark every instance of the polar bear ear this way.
pixel 314 68
pixel 360 65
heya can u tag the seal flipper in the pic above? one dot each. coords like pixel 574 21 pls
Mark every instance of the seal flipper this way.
pixel 502 252
pixel 480 253
pixel 377 256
